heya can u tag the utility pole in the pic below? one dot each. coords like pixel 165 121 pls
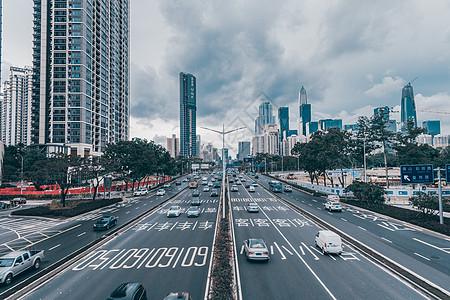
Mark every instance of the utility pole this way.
pixel 441 211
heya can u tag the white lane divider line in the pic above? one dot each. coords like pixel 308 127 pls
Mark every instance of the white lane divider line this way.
pixel 331 256
pixel 343 219
pixel 314 200
pixel 386 227
pixel 279 249
pixel 83 233
pixel 54 247
pixel 310 204
pixel 385 239
pixel 173 226
pixel 127 212
pixel 446 250
pixel 301 249
pixel 194 225
pixel 242 249
pixel 179 255
pixel 287 250
pixel 315 249
pixel 330 213
pixel 422 256
pixel 271 250
pixel 306 247
pixel 359 217
pixel 319 208
pixel 252 222
pixel 362 228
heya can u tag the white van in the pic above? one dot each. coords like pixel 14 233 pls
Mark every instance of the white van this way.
pixel 329 242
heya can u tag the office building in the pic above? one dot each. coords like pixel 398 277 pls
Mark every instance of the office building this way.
pixel 283 121
pixel 198 145
pixel 257 144
pixel 243 150
pixel 325 124
pixel 351 127
pixel 80 94
pixel 433 127
pixel 304 112
pixel 312 127
pixel 391 125
pixel 225 156
pixel 188 115
pixel 407 107
pixel 16 107
pixel 265 117
pixel 271 139
pixel 441 141
pixel 173 146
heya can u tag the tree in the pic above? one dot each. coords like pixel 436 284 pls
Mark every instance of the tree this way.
pixel 427 204
pixel 370 193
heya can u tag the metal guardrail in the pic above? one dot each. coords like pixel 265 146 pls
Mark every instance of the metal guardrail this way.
pixel 414 279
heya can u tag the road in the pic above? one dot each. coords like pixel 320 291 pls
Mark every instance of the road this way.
pixel 164 254
pixel 60 238
pixel 297 269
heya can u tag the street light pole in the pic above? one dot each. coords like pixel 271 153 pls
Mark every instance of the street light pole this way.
pixel 21 175
pixel 223 133
pixel 364 148
pixel 441 214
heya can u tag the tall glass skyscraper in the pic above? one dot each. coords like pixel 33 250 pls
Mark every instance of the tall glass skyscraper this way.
pixel 265 117
pixel 407 107
pixel 80 95
pixel 188 115
pixel 283 120
pixel 304 116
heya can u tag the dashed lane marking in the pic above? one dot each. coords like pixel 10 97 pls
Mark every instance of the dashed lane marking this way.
pixel 422 256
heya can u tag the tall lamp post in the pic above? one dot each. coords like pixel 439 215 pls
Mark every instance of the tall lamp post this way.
pixel 223 133
pixel 21 174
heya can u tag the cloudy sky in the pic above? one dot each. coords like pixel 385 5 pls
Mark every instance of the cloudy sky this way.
pixel 350 55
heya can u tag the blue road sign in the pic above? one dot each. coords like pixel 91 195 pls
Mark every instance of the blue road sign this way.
pixel 412 174
pixel 447 172
pixel 248 159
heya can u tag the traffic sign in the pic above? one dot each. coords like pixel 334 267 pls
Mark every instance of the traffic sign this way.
pixel 248 159
pixel 447 172
pixel 411 174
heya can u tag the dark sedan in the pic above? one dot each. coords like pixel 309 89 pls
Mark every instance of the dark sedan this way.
pixel 105 223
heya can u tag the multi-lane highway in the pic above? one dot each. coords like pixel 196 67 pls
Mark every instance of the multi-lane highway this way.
pixel 297 269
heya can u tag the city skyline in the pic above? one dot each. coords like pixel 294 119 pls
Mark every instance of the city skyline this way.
pixel 359 69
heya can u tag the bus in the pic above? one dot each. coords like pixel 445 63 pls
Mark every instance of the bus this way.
pixel 275 186
pixel 193 184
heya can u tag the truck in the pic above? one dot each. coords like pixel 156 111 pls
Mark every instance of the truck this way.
pixel 16 262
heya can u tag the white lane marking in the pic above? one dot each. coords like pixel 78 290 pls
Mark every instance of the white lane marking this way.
pixel 330 213
pixel 309 250
pixel 303 201
pixel 331 256
pixel 386 227
pixel 314 200
pixel 175 264
pixel 252 222
pixel 301 249
pixel 359 217
pixel 271 250
pixel 310 204
pixel 315 249
pixel 242 249
pixel 145 204
pixel 422 256
pixel 194 225
pixel 319 208
pixel 343 219
pixel 127 212
pixel 287 250
pixel 362 228
pixel 83 233
pixel 279 249
pixel 389 241
pixel 446 250
pixel 54 247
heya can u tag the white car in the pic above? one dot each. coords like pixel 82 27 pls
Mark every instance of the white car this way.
pixel 161 192
pixel 174 211
pixel 287 189
pixel 206 189
pixel 329 242
pixel 332 205
pixel 256 249
pixel 166 185
pixel 210 183
pixel 254 184
pixel 234 188
pixel 141 192
pixel 252 207
pixel 251 189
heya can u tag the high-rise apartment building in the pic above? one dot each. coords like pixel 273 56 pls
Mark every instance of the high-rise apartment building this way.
pixel 81 85
pixel 16 107
pixel 325 124
pixel 283 121
pixel 304 116
pixel 265 116
pixel 243 150
pixel 188 115
pixel 433 127
pixel 173 146
pixel 407 107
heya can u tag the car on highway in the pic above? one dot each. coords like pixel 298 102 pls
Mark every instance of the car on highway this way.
pixel 20 200
pixel 210 184
pixel 243 180
pixel 140 192
pixel 193 212
pixel 129 291
pixel 178 296
pixel 334 198
pixel 254 184
pixel 213 179
pixel 160 192
pixel 247 185
pixel 252 207
pixel 174 211
pixel 166 185
pixel 234 188
pixel 329 242
pixel 333 206
pixel 251 189
pixel 217 185
pixel 185 180
pixel 104 223
pixel 206 189
pixel 178 182
pixel 16 262
pixel 195 201
pixel 256 249
pixel 214 193
pixel 256 176
pixel 195 193
pixel 287 188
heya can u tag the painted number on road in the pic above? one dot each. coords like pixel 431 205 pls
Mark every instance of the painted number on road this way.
pixel 136 258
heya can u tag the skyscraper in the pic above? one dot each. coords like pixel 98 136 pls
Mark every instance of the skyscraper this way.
pixel 391 125
pixel 15 107
pixel 407 107
pixel 265 117
pixel 188 114
pixel 304 116
pixel 433 127
pixel 173 146
pixel 283 120
pixel 80 95
pixel 243 150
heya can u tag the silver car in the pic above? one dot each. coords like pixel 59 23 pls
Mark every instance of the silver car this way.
pixel 174 211
pixel 252 207
pixel 256 249
pixel 193 212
